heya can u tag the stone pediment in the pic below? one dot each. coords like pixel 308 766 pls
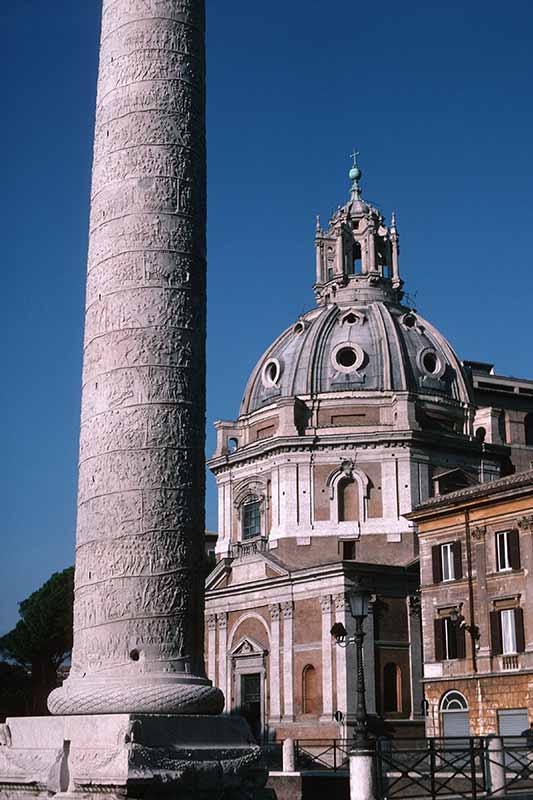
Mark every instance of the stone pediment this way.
pixel 247 646
pixel 219 577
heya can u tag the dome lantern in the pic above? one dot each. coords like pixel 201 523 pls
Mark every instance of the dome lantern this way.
pixel 357 257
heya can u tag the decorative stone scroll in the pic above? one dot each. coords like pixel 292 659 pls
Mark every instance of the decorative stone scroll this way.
pixel 479 533
pixel 138 609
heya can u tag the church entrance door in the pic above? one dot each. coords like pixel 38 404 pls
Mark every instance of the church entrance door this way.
pixel 251 701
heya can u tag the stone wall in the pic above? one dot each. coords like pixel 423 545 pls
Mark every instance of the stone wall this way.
pixel 485 697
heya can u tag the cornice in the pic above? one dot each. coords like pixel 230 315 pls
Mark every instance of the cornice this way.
pixel 268 448
pixel 521 483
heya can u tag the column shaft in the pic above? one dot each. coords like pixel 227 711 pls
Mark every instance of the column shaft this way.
pixel 138 607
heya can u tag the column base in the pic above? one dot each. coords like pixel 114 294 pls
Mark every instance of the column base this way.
pixel 129 755
pixel 185 696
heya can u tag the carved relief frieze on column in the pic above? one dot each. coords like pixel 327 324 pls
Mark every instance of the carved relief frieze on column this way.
pixel 224 679
pixel 287 609
pixel 275 686
pixel 139 588
pixel 327 657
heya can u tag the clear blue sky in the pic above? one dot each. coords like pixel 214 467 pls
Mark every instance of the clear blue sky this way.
pixel 438 101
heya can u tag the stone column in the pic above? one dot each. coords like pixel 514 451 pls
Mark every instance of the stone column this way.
pixel 327 658
pixel 339 252
pixel 222 620
pixel 138 608
pixel 288 678
pixel 275 688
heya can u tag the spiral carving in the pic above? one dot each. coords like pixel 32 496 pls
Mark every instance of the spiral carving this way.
pixel 167 699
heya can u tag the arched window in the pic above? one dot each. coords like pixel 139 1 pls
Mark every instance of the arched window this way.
pixel 392 688
pixel 348 492
pixel 454 714
pixel 481 433
pixel 453 701
pixel 251 520
pixel 233 444
pixel 310 691
pixel 528 425
pixel 356 258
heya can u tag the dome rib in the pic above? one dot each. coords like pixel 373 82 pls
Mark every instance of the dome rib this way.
pixel 393 351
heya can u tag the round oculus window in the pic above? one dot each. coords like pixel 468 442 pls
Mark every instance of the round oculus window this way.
pixel 347 357
pixel 431 363
pixel 271 373
pixel 409 320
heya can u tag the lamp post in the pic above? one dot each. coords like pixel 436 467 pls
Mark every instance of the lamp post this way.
pixel 358 599
pixel 362 764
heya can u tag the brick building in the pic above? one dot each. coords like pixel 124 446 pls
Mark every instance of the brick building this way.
pixel 476 565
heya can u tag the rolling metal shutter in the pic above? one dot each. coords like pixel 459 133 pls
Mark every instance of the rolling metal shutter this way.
pixel 455 723
pixel 512 721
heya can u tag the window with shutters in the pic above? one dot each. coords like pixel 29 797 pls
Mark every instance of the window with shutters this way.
pixel 507 551
pixel 507 631
pixel 447 562
pixel 450 640
pixel 446 554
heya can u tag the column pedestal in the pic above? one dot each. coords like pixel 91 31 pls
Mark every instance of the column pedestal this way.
pixel 128 755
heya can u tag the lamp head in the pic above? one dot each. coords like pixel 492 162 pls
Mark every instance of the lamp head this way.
pixel 339 633
pixel 359 598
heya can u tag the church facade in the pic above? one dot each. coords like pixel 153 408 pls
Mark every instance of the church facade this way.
pixel 357 413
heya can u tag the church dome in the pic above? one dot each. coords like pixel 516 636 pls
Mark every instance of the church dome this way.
pixel 375 347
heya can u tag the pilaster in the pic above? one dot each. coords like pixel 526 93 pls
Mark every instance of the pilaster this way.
pixel 275 687
pixel 369 658
pixel 327 658
pixel 287 609
pixel 345 662
pixel 414 626
pixel 224 678
pixel 478 535
pixel 211 647
pixel 525 525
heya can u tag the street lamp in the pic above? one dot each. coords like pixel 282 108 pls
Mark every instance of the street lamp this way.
pixel 459 621
pixel 358 598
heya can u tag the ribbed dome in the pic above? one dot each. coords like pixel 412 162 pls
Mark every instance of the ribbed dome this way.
pixel 372 348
